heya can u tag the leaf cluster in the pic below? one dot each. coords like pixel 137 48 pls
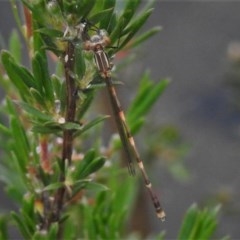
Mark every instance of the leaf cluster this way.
pixel 198 224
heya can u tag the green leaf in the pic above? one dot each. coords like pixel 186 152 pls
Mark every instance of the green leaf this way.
pixel 57 85
pixel 28 205
pixel 4 130
pixel 88 165
pixel 89 156
pixel 35 113
pixel 125 18
pixel 50 234
pixel 53 126
pixel 86 7
pixel 4 228
pixel 209 222
pixel 92 186
pixel 92 167
pixel 134 27
pixel 53 231
pixel 88 185
pixel 15 194
pixel 143 37
pixel 45 129
pixel 15 46
pixel 150 94
pixel 40 70
pixel 85 104
pixel 53 186
pixel 57 51
pixel 37 96
pixel 29 222
pixel 79 62
pixel 20 77
pixel 91 124
pixel 147 95
pixel 96 187
pixel 99 16
pixel 79 9
pixel 189 223
pixel 71 126
pixel 137 124
pixel 54 33
pixel 21 146
pixel 199 224
pixel 132 5
pixel 21 225
pixel 106 22
pixel 81 165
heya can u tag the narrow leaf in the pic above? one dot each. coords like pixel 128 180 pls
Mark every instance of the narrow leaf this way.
pixel 4 130
pixel 71 126
pixel 93 166
pixel 40 69
pixel 15 74
pixel 87 100
pixel 135 26
pixel 91 124
pixel 96 187
pixel 46 129
pixel 33 111
pixel 53 186
pixel 21 146
pixel 37 96
pixel 147 96
pixel 125 18
pixel 106 22
pixel 189 221
pixel 99 16
pixel 50 32
pixel 79 62
pixel 15 46
pixel 21 225
pixel 4 228
pixel 143 37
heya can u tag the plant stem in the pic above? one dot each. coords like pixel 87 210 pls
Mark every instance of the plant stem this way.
pixel 67 134
pixel 71 103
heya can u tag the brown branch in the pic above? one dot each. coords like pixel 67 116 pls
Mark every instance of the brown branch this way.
pixel 67 134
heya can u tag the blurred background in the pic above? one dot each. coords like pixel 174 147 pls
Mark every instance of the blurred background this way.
pixel 199 50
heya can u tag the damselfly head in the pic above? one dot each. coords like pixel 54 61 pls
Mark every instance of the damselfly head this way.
pixel 101 38
pixel 96 38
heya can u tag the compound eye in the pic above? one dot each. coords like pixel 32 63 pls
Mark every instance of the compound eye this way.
pixel 95 39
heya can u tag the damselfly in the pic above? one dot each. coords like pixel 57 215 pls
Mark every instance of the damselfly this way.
pixel 96 43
